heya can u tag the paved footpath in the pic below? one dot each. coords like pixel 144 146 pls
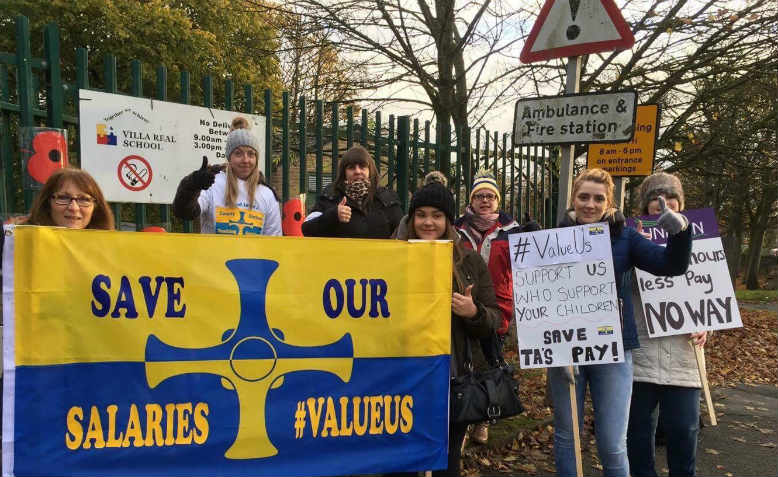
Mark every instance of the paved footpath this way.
pixel 744 442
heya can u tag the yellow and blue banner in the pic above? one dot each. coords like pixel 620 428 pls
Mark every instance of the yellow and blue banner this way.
pixel 201 355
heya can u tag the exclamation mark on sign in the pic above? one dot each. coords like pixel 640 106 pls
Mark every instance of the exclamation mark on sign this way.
pixel 573 30
pixel 615 350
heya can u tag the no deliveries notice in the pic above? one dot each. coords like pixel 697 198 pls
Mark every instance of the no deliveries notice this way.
pixel 565 297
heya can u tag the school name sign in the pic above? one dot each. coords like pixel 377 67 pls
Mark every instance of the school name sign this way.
pixel 565 297
pixel 277 365
pixel 139 149
pixel 575 119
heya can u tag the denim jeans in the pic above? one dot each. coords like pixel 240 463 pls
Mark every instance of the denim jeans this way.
pixel 610 387
pixel 680 409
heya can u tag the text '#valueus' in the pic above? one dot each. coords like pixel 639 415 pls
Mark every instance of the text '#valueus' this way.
pixel 556 247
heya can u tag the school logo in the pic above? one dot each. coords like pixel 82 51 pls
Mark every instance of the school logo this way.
pixel 105 135
pixel 237 221
pixel 251 359
pixel 596 230
pixel 604 330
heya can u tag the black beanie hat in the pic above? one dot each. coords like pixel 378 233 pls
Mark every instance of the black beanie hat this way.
pixel 435 195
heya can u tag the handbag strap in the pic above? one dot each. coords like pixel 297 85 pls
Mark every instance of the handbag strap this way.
pixel 493 410
pixel 468 356
pixel 496 351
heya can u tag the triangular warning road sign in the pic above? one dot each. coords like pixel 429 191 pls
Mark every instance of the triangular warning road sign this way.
pixel 574 28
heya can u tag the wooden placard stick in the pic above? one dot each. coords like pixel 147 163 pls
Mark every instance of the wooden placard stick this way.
pixel 699 353
pixel 576 431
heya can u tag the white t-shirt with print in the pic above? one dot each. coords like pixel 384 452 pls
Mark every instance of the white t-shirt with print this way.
pixel 263 217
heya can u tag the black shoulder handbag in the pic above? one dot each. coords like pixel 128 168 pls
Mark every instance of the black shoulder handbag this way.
pixel 486 395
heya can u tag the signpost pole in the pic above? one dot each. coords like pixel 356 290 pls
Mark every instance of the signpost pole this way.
pixel 572 86
pixel 618 193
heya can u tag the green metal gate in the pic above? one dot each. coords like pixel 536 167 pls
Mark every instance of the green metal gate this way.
pixel 33 93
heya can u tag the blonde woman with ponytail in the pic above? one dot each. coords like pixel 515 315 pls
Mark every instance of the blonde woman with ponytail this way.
pixel 610 385
pixel 231 198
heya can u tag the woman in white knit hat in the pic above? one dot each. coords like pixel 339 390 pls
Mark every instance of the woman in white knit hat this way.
pixel 485 229
pixel 665 372
pixel 231 199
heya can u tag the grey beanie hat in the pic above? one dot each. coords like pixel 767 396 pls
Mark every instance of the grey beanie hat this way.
pixel 660 183
pixel 240 135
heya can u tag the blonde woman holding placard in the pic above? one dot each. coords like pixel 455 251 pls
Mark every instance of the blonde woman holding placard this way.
pixel 610 385
pixel 666 378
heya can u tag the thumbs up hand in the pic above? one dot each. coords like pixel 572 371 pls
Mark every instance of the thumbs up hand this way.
pixel 204 177
pixel 463 305
pixel 671 222
pixel 344 211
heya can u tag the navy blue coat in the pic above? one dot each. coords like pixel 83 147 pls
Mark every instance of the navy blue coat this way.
pixel 632 250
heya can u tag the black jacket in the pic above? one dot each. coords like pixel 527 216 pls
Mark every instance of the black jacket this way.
pixel 484 324
pixel 379 219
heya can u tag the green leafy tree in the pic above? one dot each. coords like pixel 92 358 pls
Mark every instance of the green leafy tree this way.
pixel 199 36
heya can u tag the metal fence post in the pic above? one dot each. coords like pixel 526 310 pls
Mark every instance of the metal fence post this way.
pixel 503 167
pixel 335 139
pixel 8 196
pixel 268 135
pixel 391 170
pixel 285 147
pixel 467 167
pixel 24 81
pixel 228 94
pixel 363 129
pixel 137 90
pixel 302 148
pixel 377 142
pixel 319 145
pixel 54 93
pixel 403 132
pixel 349 127
pixel 185 99
pixel 111 86
pixel 426 148
pixel 415 160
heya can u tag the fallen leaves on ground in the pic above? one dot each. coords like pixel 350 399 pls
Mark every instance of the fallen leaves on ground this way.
pixel 745 355
pixel 738 356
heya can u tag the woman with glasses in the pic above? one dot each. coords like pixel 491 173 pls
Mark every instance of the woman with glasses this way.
pixel 71 198
pixel 484 229
pixel 231 199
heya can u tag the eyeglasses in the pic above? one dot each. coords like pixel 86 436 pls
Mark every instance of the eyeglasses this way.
pixel 485 197
pixel 65 199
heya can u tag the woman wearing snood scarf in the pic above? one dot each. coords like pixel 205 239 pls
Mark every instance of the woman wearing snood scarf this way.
pixel 354 206
pixel 610 385
pixel 484 229
pixel 665 370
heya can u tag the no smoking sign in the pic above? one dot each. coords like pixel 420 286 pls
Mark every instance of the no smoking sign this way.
pixel 134 173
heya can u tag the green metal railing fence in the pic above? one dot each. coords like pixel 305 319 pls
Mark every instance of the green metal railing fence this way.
pixel 298 142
